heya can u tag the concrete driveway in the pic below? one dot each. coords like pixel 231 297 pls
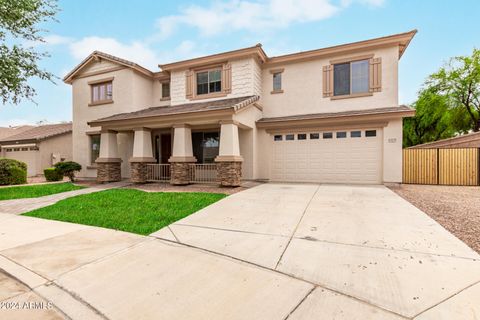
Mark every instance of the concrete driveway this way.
pixel 276 251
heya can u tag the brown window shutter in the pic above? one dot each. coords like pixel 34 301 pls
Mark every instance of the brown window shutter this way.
pixel 328 81
pixel 375 75
pixel 227 78
pixel 189 84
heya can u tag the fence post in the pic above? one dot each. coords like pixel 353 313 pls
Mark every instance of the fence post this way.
pixel 478 167
pixel 438 166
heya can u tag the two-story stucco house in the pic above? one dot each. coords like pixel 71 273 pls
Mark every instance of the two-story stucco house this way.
pixel 327 115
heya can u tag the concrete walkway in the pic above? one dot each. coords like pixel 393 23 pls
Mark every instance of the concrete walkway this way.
pixel 276 251
pixel 19 206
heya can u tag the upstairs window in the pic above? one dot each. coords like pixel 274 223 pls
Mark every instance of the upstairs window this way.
pixel 165 90
pixel 102 92
pixel 209 81
pixel 351 78
pixel 277 81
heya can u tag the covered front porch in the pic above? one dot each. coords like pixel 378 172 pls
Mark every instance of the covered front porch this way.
pixel 206 146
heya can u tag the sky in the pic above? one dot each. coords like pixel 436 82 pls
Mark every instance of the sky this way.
pixel 151 32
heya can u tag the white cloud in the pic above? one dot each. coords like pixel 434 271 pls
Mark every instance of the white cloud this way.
pixel 137 51
pixel 251 15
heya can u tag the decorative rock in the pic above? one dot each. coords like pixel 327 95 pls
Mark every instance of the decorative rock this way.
pixel 138 172
pixel 229 173
pixel 109 171
pixel 180 173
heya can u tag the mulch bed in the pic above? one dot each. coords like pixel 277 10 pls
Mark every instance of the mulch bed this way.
pixel 456 208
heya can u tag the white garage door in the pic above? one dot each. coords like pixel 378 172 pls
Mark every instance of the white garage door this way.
pixel 344 156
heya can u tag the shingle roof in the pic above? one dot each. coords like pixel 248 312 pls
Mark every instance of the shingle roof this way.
pixel 40 132
pixel 324 115
pixel 232 103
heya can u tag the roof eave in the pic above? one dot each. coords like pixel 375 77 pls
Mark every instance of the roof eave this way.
pixel 255 51
pixel 97 123
pixel 99 55
pixel 401 39
pixel 272 123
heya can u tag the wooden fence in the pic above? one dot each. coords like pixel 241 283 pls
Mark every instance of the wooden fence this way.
pixel 442 166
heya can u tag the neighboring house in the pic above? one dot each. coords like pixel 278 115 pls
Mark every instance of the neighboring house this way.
pixel 10 131
pixel 39 147
pixel 471 140
pixel 328 115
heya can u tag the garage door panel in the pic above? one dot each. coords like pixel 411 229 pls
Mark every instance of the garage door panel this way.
pixel 336 160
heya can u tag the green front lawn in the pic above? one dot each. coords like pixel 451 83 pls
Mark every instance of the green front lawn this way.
pixel 127 209
pixel 35 191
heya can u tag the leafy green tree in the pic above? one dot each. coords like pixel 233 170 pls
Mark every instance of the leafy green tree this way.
pixel 448 104
pixel 459 81
pixel 20 22
pixel 431 121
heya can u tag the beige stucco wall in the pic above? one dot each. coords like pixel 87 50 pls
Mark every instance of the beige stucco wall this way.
pixel 302 85
pixel 61 145
pixel 131 92
pixel 248 140
pixel 245 81
pixel 392 151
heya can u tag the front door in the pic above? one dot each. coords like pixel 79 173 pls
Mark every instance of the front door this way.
pixel 165 147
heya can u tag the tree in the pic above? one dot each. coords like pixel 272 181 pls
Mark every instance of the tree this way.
pixel 19 25
pixel 459 81
pixel 434 119
pixel 448 104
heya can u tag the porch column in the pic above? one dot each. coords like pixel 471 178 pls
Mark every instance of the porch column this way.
pixel 108 163
pixel 182 155
pixel 142 155
pixel 229 161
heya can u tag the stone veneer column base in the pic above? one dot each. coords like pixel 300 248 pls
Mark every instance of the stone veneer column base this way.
pixel 109 170
pixel 229 173
pixel 180 173
pixel 138 168
pixel 138 172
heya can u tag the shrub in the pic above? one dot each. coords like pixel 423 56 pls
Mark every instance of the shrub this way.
pixel 68 169
pixel 53 174
pixel 12 172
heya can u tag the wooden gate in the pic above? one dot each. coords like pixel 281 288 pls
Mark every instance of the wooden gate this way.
pixel 442 166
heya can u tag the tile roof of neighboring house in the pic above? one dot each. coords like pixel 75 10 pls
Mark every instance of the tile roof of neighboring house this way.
pixel 39 133
pixel 382 111
pixel 10 131
pixel 470 140
pixel 232 103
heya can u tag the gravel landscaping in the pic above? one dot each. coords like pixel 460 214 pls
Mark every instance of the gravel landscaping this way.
pixel 456 208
